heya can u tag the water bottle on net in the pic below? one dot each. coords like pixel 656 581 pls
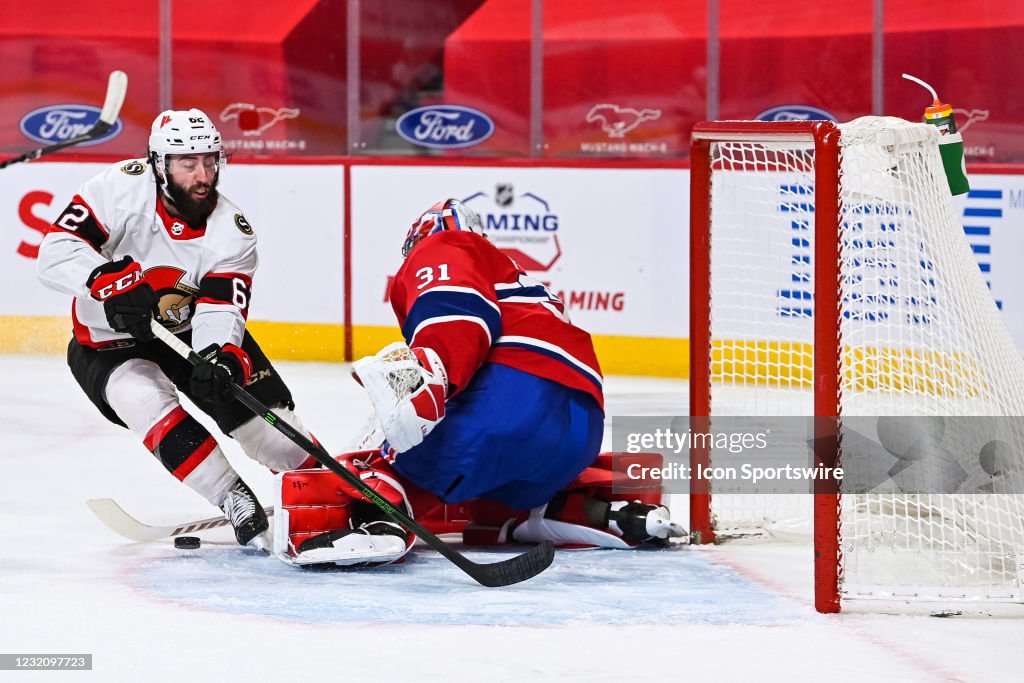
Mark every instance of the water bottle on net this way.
pixel 951 143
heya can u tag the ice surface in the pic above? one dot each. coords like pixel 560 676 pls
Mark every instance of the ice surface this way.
pixel 149 612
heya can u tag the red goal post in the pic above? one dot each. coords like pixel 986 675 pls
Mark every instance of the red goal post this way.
pixel 825 138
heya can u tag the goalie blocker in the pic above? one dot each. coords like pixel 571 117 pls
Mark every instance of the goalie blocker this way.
pixel 321 520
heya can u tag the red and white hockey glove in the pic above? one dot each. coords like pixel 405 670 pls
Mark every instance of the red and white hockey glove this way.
pixel 407 388
pixel 128 300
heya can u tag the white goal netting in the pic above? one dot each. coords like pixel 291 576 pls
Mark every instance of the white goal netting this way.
pixel 920 336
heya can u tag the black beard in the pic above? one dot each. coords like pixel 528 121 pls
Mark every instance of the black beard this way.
pixel 194 211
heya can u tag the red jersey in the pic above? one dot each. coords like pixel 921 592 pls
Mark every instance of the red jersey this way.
pixel 459 295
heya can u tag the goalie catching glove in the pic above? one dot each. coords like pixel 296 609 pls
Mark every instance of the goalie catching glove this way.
pixel 407 388
pixel 128 300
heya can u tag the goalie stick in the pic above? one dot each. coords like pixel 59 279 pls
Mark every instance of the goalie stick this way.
pixel 117 87
pixel 504 573
pixel 117 520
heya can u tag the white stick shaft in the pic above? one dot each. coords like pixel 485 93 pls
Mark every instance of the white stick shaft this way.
pixel 117 88
pixel 165 335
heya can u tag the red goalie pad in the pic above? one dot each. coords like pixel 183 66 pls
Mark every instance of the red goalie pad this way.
pixel 612 477
pixel 315 503
pixel 609 479
pixel 319 501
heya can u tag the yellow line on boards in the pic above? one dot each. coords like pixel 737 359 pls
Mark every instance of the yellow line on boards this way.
pixel 619 355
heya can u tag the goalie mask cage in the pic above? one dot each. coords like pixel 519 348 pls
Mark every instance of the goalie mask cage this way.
pixel 831 277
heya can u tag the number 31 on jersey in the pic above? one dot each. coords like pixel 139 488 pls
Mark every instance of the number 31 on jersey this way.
pixel 428 274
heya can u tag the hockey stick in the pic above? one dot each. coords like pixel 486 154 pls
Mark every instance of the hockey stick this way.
pixel 117 520
pixel 117 87
pixel 504 573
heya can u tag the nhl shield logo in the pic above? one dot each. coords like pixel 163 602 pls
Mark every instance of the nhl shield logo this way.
pixel 527 233
pixel 503 195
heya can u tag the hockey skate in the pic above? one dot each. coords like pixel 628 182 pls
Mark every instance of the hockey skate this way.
pixel 640 523
pixel 245 514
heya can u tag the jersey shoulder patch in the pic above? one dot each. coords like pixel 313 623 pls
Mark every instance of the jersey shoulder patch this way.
pixel 242 224
pixel 230 239
pixel 134 167
pixel 228 223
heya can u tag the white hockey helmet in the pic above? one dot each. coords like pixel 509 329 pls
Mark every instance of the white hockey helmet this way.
pixel 450 214
pixel 182 132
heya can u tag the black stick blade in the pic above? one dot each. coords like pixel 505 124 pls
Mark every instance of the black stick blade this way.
pixel 513 570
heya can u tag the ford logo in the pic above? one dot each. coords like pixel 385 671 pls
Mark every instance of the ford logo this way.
pixel 445 126
pixel 61 122
pixel 795 112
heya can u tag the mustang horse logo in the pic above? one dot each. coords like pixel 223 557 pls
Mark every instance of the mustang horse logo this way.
pixel 617 121
pixel 971 115
pixel 253 120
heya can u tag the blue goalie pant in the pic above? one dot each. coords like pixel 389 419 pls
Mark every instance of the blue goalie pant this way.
pixel 510 437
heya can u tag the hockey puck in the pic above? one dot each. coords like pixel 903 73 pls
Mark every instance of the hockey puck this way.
pixel 186 542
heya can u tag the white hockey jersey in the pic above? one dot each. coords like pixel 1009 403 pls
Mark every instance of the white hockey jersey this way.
pixel 202 275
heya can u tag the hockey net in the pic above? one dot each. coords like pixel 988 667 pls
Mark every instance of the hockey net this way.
pixel 830 277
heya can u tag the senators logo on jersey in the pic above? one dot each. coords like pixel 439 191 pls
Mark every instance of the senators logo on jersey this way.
pixel 176 302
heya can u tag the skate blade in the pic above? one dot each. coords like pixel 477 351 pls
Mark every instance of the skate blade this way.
pixel 261 542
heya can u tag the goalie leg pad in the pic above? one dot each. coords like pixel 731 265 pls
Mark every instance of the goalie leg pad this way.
pixel 539 527
pixel 308 502
pixel 371 544
pixel 599 509
pixel 322 519
pixel 619 524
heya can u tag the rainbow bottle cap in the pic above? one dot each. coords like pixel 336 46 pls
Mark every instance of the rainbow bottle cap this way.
pixel 938 110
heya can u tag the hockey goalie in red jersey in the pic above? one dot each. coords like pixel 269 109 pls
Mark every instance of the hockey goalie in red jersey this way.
pixel 153 237
pixel 494 400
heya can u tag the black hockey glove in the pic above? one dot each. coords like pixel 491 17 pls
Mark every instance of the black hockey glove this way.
pixel 211 380
pixel 128 300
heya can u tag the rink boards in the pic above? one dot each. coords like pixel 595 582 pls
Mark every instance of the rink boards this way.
pixel 611 241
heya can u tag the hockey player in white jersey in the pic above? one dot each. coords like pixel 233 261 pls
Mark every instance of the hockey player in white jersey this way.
pixel 154 237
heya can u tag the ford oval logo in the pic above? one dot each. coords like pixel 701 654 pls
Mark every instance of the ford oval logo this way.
pixel 61 122
pixel 795 112
pixel 445 126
